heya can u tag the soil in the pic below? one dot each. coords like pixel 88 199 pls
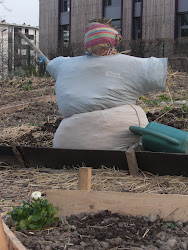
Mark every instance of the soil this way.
pixel 36 125
pixel 106 230
pixel 21 90
pixel 176 118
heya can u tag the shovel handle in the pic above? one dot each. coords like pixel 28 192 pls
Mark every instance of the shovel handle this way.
pixel 141 131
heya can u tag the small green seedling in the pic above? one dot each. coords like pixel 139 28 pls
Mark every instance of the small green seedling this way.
pixel 35 214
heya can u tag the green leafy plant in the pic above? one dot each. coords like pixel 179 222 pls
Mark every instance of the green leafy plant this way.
pixel 152 103
pixel 27 86
pixel 143 98
pixel 164 97
pixel 166 108
pixel 34 215
pixel 171 225
pixel 184 108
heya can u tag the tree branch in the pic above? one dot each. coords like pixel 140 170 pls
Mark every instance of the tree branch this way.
pixel 2 3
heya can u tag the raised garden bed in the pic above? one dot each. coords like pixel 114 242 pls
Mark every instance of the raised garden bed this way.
pixel 153 162
pixel 110 220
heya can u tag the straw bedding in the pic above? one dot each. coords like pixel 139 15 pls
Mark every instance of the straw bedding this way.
pixel 17 184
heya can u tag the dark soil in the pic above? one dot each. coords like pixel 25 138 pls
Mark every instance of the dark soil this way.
pixel 51 127
pixel 46 131
pixel 176 118
pixel 35 115
pixel 41 119
pixel 21 90
pixel 105 230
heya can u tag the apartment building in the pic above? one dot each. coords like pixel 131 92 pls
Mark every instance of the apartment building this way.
pixel 161 24
pixel 15 52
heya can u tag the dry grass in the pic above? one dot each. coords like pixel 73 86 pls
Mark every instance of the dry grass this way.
pixel 19 136
pixel 18 184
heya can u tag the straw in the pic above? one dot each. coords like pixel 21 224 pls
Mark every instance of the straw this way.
pixel 17 184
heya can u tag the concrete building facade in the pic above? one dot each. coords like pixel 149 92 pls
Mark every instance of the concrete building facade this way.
pixel 15 52
pixel 156 22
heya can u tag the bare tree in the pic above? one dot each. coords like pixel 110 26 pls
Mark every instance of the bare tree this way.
pixel 2 2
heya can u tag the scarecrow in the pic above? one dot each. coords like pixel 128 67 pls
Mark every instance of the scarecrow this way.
pixel 96 93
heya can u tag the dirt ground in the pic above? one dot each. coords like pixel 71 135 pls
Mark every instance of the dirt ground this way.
pixel 105 230
pixel 35 126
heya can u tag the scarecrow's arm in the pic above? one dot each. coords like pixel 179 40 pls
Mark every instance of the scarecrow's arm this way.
pixel 44 58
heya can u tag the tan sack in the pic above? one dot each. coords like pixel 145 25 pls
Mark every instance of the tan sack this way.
pixel 101 130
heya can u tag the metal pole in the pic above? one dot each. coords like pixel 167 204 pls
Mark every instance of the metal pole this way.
pixel 2 57
pixel 2 53
pixel 29 60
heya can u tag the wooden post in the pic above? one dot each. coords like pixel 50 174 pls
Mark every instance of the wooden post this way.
pixel 3 240
pixel 132 162
pixel 84 179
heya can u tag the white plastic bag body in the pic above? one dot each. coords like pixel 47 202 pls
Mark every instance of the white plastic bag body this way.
pixel 101 130
pixel 89 83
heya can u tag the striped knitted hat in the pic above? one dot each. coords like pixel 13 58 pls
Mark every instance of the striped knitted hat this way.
pixel 101 39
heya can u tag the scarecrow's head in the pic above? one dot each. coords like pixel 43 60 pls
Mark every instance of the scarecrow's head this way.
pixel 101 39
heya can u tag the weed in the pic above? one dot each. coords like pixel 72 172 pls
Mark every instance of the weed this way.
pixel 166 108
pixel 143 98
pixel 184 108
pixel 34 125
pixel 27 86
pixel 164 98
pixel 152 103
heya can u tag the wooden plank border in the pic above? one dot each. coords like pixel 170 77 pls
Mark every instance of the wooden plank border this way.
pixel 3 240
pixel 13 108
pixel 12 240
pixel 168 207
pixel 156 163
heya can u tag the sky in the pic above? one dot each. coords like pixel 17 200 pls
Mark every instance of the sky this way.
pixel 21 11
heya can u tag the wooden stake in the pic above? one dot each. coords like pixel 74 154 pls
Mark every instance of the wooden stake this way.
pixel 34 47
pixel 3 240
pixel 85 178
pixel 132 162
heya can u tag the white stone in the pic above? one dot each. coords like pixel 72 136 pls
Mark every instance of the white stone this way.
pixel 179 223
pixel 152 217
pixel 163 104
pixel 180 102
pixel 161 235
pixel 172 243
pixel 183 245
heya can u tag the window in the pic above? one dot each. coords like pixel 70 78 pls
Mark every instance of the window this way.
pixel 26 31
pixel 65 5
pixel 113 3
pixel 16 29
pixel 23 52
pixel 183 27
pixel 137 1
pixel 108 2
pixel 10 29
pixel 31 37
pixel 137 28
pixel 23 42
pixel 65 35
